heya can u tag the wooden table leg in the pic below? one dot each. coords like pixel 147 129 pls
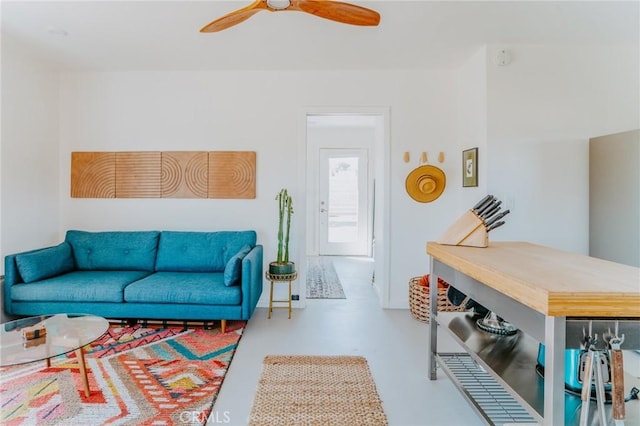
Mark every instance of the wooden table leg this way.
pixel 83 371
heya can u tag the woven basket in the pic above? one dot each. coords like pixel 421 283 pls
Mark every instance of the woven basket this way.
pixel 419 299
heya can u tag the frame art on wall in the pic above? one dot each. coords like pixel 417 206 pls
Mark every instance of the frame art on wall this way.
pixel 470 167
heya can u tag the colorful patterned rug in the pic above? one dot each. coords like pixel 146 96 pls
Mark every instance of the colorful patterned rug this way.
pixel 137 376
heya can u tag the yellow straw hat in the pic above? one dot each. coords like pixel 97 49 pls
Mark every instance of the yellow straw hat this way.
pixel 425 183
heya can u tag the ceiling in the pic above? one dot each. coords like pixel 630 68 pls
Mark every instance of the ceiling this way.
pixel 164 35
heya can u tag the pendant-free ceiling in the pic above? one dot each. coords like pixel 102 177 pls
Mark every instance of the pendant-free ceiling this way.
pixel 346 13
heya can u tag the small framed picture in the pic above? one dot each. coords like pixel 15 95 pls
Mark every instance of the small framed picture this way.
pixel 470 167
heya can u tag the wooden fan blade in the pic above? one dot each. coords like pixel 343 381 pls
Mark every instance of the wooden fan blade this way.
pixel 235 17
pixel 346 13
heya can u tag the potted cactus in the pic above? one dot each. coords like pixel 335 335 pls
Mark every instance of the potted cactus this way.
pixel 282 265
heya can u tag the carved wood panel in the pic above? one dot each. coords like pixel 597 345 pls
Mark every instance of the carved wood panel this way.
pixel 169 174
pixel 93 175
pixel 138 174
pixel 232 174
pixel 185 174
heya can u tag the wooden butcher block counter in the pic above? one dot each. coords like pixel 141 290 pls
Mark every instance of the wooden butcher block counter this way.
pixel 554 298
pixel 551 281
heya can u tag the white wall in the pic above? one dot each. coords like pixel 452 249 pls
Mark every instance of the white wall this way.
pixel 256 111
pixel 472 125
pixel 428 126
pixel 542 110
pixel 29 190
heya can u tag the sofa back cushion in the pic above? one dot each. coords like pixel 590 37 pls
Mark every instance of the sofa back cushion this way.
pixel 114 251
pixel 200 251
pixel 45 263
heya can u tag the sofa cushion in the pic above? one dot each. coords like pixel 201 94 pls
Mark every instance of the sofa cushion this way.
pixel 114 251
pixel 78 286
pixel 183 287
pixel 45 263
pixel 200 251
pixel 233 270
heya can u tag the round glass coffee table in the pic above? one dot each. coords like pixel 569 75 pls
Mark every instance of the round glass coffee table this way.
pixel 63 333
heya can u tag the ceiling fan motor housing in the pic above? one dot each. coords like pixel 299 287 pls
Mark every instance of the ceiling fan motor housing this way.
pixel 278 4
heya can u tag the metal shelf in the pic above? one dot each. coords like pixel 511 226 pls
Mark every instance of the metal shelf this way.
pixel 512 361
pixel 486 395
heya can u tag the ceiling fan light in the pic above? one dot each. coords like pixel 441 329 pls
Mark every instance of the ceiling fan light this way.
pixel 278 4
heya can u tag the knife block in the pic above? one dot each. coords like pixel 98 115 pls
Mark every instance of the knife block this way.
pixel 468 230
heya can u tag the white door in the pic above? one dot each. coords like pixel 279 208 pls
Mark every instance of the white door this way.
pixel 344 212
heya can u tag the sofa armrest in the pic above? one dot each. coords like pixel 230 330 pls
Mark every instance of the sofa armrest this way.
pixel 251 282
pixel 12 276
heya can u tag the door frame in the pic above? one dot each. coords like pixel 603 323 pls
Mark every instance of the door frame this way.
pixel 382 196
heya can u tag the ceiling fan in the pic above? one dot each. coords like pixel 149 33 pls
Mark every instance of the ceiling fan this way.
pixel 346 13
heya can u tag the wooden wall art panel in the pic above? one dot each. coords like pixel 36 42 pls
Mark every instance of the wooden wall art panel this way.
pixel 169 174
pixel 138 174
pixel 232 174
pixel 185 174
pixel 93 175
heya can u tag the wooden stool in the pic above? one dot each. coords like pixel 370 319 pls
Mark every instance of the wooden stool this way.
pixel 280 278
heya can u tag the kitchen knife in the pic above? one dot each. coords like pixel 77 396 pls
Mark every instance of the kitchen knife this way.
pixel 487 207
pixel 495 225
pixel 484 205
pixel 496 218
pixel 481 202
pixel 493 210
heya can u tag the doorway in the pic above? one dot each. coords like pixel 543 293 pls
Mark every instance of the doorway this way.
pixel 344 206
pixel 347 197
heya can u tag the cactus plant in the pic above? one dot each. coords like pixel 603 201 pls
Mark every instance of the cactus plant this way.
pixel 282 265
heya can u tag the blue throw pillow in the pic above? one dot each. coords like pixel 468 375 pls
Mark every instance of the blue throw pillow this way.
pixel 45 263
pixel 233 269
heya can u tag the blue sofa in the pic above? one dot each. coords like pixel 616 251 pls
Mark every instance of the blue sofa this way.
pixel 164 275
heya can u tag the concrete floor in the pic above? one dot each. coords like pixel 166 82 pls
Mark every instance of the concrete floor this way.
pixel 394 343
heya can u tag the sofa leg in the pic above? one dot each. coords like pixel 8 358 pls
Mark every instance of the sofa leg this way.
pixel 223 326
